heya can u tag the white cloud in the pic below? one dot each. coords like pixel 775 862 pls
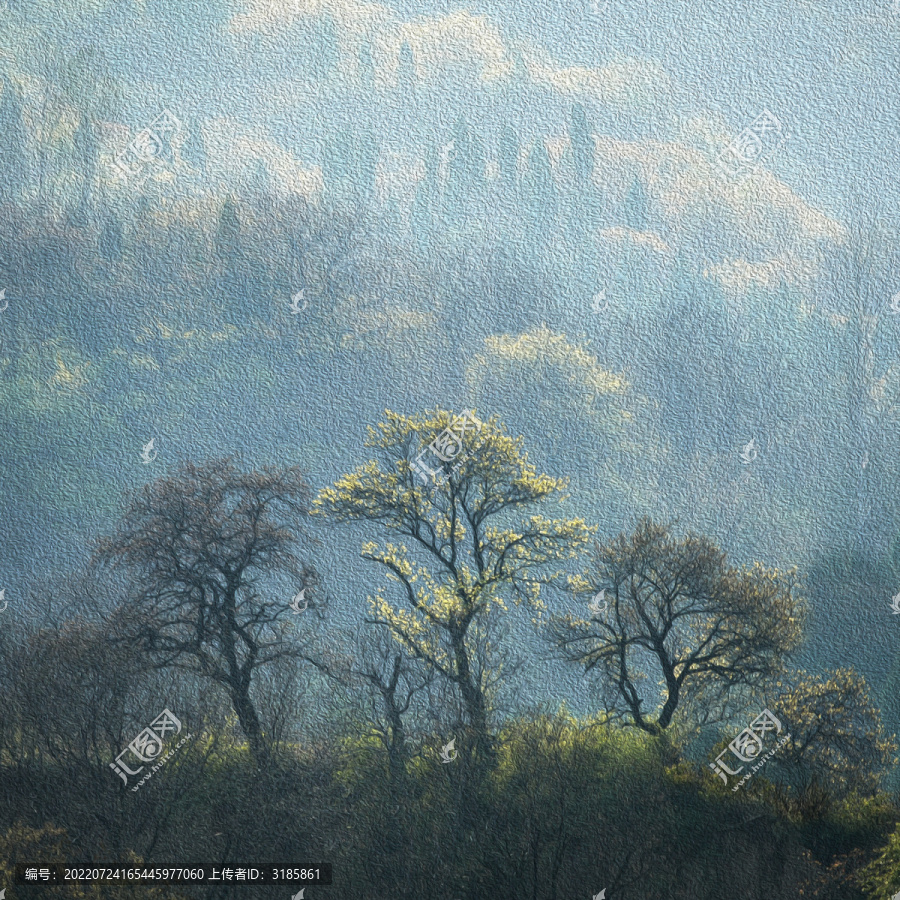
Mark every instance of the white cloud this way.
pixel 397 175
pixel 624 81
pixel 755 232
pixel 646 240
pixel 739 275
pixel 277 15
pixel 230 152
pixel 458 39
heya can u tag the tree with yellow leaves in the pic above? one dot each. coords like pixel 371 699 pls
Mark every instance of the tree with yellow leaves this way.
pixel 469 553
pixel 838 744
pixel 676 610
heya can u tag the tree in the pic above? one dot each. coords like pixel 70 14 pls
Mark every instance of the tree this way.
pixel 366 64
pixel 323 48
pixel 508 155
pixel 406 69
pixel 465 177
pixel 473 565
pixel 860 281
pixel 636 206
pixel 110 243
pixel 675 606
pixel 198 543
pixel 394 679
pixel 582 144
pixel 837 746
pixel 539 189
pixel 350 161
pixel 881 878
pixel 13 148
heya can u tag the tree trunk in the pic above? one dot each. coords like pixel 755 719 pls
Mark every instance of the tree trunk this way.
pixel 249 722
pixel 473 698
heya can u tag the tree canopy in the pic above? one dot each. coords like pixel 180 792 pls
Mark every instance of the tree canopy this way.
pixel 469 553
pixel 678 610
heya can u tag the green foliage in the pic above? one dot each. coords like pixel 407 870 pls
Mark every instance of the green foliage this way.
pixel 881 878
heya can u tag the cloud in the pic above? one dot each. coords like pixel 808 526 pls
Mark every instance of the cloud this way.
pixel 392 330
pixel 271 16
pixel 739 275
pixel 232 152
pixel 397 175
pixel 752 233
pixel 637 81
pixel 647 240
pixel 459 39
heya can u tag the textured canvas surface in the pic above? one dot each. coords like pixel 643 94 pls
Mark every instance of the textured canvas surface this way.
pixel 475 427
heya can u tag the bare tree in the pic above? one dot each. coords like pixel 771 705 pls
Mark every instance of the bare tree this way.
pixel 394 680
pixel 198 544
pixel 676 609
